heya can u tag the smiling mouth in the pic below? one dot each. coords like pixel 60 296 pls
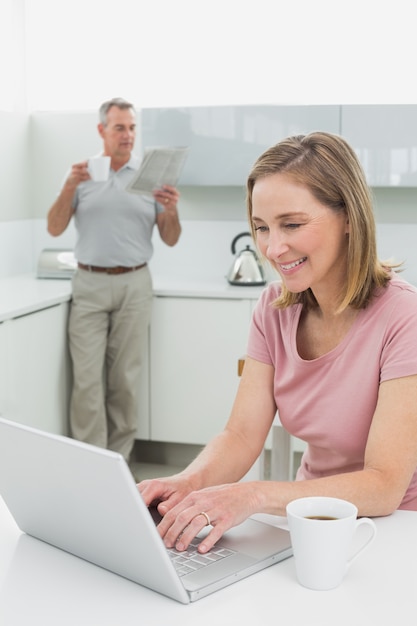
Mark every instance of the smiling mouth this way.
pixel 291 266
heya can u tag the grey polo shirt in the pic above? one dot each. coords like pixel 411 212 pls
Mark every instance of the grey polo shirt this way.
pixel 114 226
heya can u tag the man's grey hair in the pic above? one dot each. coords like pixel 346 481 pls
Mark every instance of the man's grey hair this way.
pixel 121 103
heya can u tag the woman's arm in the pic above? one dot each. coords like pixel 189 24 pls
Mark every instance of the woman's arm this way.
pixel 228 457
pixel 390 460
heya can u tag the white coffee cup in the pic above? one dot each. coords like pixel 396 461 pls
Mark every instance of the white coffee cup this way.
pixel 322 531
pixel 99 167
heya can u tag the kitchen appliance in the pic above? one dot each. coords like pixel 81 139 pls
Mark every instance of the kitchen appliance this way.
pixel 246 269
pixel 56 263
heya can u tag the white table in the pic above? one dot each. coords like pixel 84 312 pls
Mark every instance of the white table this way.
pixel 43 586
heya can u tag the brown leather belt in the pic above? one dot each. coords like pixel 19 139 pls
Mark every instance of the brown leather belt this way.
pixel 110 270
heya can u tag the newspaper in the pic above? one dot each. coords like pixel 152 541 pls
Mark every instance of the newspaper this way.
pixel 160 166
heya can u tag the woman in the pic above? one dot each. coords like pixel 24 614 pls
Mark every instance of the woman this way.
pixel 333 346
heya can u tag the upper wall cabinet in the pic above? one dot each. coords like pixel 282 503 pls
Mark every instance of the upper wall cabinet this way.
pixel 385 140
pixel 225 141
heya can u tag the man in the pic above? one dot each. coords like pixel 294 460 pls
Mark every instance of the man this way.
pixel 112 288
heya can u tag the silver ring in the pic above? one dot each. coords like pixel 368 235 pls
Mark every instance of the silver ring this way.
pixel 206 516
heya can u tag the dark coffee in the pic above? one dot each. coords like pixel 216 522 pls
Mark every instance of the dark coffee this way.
pixel 321 517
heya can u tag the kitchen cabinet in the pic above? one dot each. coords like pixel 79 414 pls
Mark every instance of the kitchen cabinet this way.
pixel 225 141
pixel 385 140
pixel 143 430
pixel 195 346
pixel 2 367
pixel 36 369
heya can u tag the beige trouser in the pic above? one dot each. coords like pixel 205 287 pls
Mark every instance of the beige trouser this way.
pixel 108 330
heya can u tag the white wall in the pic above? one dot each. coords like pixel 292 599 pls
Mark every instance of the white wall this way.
pixel 180 53
pixel 57 140
pixel 204 250
pixel 36 155
pixel 188 52
pixel 15 189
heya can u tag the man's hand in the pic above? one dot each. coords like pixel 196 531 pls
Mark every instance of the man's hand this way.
pixel 167 196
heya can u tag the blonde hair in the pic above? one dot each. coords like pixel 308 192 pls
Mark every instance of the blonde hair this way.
pixel 330 169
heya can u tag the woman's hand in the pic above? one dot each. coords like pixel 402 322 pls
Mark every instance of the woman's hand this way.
pixel 225 506
pixel 165 493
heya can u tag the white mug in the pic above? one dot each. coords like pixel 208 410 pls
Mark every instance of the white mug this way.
pixel 99 167
pixel 322 531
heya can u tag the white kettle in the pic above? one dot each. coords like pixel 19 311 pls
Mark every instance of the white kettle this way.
pixel 246 269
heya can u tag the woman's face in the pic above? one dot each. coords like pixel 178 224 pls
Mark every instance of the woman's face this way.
pixel 303 239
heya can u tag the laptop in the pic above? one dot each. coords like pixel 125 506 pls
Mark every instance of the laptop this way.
pixel 84 500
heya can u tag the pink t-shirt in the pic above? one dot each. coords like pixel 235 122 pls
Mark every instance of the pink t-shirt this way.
pixel 329 402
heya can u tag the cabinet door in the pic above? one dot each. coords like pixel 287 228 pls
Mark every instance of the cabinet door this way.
pixel 195 347
pixel 143 430
pixel 225 141
pixel 385 140
pixel 38 369
pixel 3 381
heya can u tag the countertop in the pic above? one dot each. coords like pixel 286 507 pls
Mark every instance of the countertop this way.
pixel 24 293
pixel 203 288
pixel 43 586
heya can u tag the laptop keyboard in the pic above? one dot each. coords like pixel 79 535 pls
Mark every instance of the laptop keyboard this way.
pixel 191 560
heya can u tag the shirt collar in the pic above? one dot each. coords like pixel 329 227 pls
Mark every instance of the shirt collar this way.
pixel 133 163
